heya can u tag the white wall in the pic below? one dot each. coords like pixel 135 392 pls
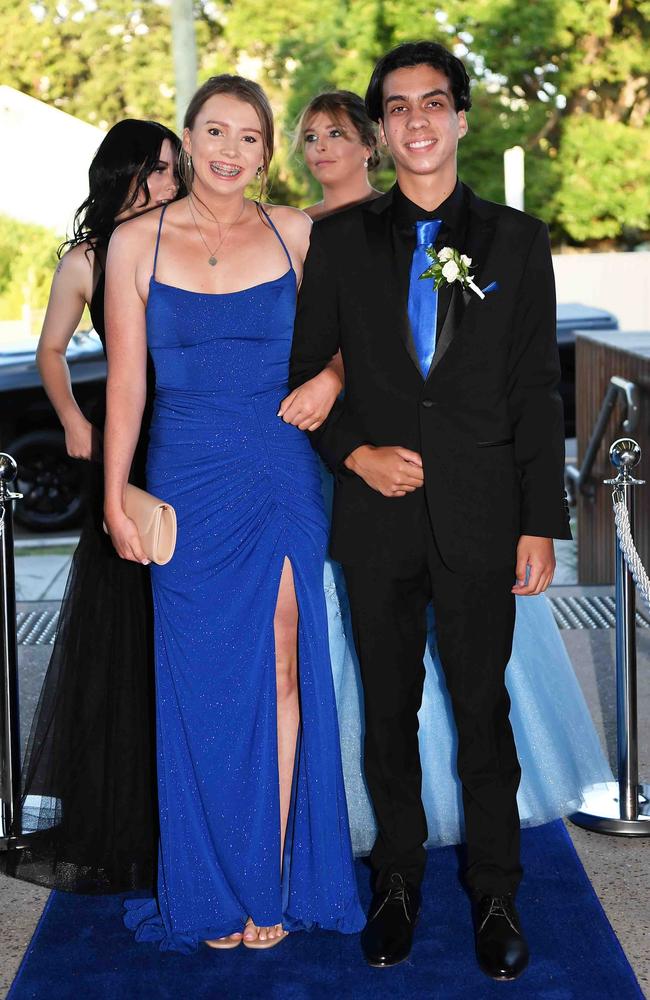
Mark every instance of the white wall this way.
pixel 44 163
pixel 618 282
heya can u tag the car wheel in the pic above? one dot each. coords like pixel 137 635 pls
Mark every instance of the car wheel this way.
pixel 49 480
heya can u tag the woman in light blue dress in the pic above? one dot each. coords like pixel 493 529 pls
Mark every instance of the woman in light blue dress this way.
pixel 558 748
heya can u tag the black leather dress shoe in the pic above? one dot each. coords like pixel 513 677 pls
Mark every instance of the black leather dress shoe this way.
pixel 387 937
pixel 501 947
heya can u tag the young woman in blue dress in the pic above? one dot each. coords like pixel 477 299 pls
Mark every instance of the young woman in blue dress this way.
pixel 558 748
pixel 254 837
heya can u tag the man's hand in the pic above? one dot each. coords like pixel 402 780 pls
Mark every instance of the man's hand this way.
pixel 392 471
pixel 537 553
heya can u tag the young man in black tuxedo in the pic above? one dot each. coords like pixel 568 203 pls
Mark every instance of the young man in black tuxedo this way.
pixel 448 453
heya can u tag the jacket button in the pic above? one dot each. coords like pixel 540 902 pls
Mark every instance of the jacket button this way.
pixel 428 403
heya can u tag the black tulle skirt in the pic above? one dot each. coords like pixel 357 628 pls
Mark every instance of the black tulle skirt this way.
pixel 89 802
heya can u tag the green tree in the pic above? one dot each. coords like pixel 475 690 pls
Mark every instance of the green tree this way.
pixel 97 61
pixel 573 73
pixel 605 178
pixel 27 262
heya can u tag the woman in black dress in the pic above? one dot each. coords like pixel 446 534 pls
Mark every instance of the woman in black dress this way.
pixel 89 770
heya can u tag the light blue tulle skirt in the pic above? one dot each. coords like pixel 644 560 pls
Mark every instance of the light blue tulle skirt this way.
pixel 559 750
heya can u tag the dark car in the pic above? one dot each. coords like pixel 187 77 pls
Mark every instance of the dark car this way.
pixel 572 317
pixel 49 480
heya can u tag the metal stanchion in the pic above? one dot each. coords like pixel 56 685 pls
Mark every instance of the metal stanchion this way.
pixel 9 717
pixel 622 807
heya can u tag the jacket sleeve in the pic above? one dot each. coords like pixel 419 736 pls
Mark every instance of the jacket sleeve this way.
pixel 316 339
pixel 534 402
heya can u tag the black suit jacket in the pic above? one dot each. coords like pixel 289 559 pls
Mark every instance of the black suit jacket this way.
pixel 488 418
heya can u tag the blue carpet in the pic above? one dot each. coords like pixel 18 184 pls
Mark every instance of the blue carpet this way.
pixel 81 949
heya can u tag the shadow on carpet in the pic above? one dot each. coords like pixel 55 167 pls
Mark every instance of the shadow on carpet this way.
pixel 82 949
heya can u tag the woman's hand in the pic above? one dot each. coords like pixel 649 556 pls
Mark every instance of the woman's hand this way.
pixel 125 537
pixel 309 405
pixel 82 440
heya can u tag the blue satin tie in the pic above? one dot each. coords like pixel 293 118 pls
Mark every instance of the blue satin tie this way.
pixel 423 298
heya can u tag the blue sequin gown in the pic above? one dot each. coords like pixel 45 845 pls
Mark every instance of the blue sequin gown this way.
pixel 558 747
pixel 246 488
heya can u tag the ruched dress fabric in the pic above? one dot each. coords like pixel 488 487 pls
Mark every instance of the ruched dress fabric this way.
pixel 558 748
pixel 246 489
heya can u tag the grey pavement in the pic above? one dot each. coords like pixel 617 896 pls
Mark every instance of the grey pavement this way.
pixel 618 867
pixel 41 577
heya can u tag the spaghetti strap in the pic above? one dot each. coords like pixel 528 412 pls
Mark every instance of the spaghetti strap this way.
pixel 274 228
pixel 155 255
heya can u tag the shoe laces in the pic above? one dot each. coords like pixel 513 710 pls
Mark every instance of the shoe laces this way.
pixel 500 906
pixel 398 893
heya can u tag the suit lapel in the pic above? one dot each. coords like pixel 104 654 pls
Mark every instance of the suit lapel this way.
pixel 479 234
pixel 450 327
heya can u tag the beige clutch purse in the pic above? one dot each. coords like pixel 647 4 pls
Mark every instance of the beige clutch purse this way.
pixel 155 521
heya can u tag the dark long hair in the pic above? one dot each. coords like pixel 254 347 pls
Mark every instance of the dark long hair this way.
pixel 129 151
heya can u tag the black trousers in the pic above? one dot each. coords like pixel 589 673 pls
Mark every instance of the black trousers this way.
pixel 475 623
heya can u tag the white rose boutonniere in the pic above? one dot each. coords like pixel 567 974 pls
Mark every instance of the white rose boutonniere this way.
pixel 450 265
pixel 451 271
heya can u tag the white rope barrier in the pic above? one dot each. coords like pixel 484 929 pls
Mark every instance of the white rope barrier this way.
pixel 628 548
pixel 621 806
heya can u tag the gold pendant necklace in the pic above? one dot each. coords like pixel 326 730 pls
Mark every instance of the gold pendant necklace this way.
pixel 212 259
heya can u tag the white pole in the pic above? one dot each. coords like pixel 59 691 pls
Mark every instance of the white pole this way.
pixel 513 171
pixel 185 65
